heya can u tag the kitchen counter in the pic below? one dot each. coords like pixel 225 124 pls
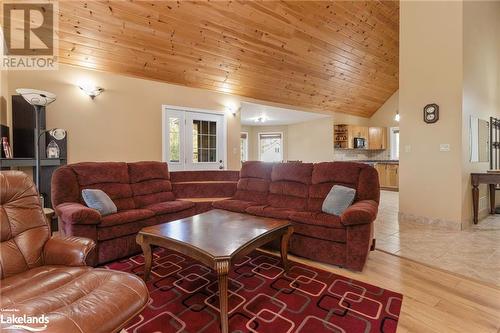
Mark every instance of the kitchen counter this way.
pixel 376 161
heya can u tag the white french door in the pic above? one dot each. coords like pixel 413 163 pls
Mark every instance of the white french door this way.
pixel 193 139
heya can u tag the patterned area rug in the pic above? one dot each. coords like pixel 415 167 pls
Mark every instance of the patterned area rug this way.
pixel 262 298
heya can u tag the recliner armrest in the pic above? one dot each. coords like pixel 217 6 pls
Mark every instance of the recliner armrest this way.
pixel 67 251
pixel 362 212
pixel 75 213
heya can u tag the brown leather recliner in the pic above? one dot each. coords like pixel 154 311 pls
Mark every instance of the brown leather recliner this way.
pixel 48 276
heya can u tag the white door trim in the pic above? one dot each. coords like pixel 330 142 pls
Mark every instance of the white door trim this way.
pixel 246 144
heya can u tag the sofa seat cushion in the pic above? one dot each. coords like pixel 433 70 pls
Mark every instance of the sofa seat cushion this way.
pixel 234 205
pixel 121 230
pixel 72 296
pixel 318 218
pixel 167 207
pixel 320 232
pixel 319 225
pixel 272 212
pixel 126 216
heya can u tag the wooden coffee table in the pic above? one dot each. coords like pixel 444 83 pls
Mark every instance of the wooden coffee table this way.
pixel 216 238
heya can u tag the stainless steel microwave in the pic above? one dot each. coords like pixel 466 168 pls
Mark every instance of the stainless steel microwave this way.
pixel 359 143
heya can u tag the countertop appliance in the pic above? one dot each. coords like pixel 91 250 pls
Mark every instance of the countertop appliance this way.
pixel 359 143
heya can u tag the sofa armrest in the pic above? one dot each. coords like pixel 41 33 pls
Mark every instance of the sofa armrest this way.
pixel 362 212
pixel 68 251
pixel 75 213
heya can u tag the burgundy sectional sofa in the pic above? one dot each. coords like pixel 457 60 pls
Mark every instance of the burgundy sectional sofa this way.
pixel 142 193
pixel 145 195
pixel 296 191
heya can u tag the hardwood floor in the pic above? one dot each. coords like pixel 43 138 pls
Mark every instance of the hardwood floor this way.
pixel 435 301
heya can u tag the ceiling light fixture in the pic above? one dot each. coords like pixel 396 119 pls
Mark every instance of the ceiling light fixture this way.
pixel 261 119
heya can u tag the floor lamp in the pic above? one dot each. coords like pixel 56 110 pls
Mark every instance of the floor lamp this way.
pixel 39 99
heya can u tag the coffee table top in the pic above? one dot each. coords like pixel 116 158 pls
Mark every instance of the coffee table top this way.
pixel 218 233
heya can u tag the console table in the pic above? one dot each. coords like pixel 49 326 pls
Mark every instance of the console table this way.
pixel 492 179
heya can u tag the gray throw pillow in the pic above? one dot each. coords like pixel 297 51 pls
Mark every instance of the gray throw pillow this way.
pixel 99 201
pixel 338 199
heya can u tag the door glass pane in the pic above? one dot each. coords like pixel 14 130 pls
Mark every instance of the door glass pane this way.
pixel 204 141
pixel 174 139
pixel 270 146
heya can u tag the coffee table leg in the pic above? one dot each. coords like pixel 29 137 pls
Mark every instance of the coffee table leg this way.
pixel 222 269
pixel 285 240
pixel 148 257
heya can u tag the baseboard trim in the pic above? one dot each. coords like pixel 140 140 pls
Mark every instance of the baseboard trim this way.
pixel 411 218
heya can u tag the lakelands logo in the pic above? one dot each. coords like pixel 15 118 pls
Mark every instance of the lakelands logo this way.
pixel 10 319
pixel 28 35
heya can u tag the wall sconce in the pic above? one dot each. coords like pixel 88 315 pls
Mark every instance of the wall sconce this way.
pixel 90 90
pixel 233 110
pixel 397 117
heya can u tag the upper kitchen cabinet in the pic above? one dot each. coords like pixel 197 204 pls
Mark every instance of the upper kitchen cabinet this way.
pixel 377 138
pixel 374 137
pixel 344 135
pixel 359 131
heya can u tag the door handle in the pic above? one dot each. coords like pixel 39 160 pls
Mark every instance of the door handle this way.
pixel 221 165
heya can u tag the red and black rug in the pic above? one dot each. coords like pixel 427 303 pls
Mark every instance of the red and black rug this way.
pixel 262 298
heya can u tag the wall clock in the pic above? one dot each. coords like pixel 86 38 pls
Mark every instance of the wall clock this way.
pixel 431 113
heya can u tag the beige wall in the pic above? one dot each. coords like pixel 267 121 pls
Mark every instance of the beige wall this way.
pixel 481 87
pixel 311 141
pixel 431 72
pixel 124 123
pixel 4 91
pixel 384 117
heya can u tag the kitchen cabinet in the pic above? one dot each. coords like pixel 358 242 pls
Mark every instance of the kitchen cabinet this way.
pixel 377 138
pixel 359 131
pixel 388 175
pixel 344 135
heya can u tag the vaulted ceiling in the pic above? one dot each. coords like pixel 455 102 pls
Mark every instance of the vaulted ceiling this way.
pixel 336 56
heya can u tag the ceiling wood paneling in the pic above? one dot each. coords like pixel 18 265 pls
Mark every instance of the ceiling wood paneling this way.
pixel 331 56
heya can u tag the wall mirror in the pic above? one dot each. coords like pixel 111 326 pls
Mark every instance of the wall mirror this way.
pixel 479 140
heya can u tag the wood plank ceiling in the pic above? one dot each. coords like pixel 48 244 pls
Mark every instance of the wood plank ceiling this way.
pixel 332 56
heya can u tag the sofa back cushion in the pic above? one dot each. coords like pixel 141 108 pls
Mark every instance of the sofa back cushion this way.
pixel 109 177
pixel 289 185
pixel 361 177
pixel 150 183
pixel 23 228
pixel 253 184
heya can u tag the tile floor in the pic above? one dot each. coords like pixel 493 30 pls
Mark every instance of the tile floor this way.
pixel 474 253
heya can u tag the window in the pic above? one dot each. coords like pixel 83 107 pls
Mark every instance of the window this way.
pixel 244 146
pixel 175 140
pixel 204 141
pixel 394 139
pixel 271 147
